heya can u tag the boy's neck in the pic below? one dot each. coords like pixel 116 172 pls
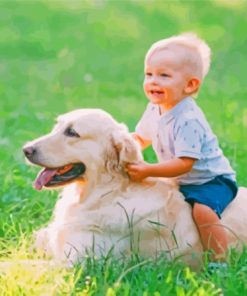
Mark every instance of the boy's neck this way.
pixel 167 107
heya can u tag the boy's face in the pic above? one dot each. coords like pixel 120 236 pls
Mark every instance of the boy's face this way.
pixel 166 78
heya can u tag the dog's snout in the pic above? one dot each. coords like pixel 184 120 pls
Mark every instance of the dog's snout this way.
pixel 29 151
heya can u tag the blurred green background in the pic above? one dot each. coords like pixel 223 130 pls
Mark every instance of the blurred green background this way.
pixel 57 56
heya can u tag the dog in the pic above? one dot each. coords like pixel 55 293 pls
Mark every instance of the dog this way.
pixel 101 210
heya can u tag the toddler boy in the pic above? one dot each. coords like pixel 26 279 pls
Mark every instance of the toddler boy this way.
pixel 186 147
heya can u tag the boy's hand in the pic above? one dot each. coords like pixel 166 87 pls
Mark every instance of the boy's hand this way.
pixel 138 172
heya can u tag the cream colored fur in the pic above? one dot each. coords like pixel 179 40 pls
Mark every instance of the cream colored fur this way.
pixel 106 211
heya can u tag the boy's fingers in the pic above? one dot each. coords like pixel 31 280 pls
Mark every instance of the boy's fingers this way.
pixel 130 166
pixel 128 169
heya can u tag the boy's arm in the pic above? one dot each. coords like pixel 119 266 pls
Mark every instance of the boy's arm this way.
pixel 143 142
pixel 168 169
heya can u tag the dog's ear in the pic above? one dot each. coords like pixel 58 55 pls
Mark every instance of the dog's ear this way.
pixel 123 149
pixel 126 147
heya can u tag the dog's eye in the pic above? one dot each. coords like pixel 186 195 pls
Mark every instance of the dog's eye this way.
pixel 70 132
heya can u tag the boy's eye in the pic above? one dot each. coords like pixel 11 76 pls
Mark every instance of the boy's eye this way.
pixel 148 74
pixel 164 75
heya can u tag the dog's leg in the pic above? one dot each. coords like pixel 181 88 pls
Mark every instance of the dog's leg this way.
pixel 42 243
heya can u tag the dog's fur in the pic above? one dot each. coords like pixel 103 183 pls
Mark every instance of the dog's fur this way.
pixel 104 210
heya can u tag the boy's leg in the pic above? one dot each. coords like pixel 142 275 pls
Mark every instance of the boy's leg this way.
pixel 213 235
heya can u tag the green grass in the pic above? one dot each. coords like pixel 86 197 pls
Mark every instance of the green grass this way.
pixel 59 56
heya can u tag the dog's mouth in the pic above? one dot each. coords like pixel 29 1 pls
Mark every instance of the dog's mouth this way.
pixel 53 177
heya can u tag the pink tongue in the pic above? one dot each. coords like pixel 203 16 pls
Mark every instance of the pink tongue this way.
pixel 43 178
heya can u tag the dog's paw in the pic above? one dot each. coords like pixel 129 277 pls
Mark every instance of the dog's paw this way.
pixel 41 243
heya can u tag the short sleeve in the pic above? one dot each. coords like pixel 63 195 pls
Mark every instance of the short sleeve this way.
pixel 144 127
pixel 188 139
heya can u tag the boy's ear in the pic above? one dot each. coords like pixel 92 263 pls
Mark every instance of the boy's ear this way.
pixel 192 85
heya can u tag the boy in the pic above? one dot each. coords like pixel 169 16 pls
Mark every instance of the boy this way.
pixel 185 145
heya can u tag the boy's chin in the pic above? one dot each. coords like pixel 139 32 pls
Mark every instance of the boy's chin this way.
pixel 156 101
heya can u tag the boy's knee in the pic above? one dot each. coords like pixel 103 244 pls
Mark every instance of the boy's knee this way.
pixel 197 212
pixel 201 213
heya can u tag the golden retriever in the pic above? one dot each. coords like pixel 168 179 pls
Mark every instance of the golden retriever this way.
pixel 100 208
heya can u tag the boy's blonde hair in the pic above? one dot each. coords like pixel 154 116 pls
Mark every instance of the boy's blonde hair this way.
pixel 197 52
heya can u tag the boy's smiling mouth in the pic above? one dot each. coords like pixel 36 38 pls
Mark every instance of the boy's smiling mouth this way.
pixel 156 93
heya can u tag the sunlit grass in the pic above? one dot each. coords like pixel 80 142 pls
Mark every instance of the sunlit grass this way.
pixel 22 273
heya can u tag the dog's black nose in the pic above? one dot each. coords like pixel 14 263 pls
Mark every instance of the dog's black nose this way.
pixel 29 151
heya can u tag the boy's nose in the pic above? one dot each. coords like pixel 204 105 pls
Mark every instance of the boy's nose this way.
pixel 154 81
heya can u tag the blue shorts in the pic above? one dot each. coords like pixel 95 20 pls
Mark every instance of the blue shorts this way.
pixel 216 194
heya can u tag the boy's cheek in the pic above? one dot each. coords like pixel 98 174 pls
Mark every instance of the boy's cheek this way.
pixel 145 88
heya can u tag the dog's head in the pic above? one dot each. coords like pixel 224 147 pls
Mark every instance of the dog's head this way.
pixel 83 144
